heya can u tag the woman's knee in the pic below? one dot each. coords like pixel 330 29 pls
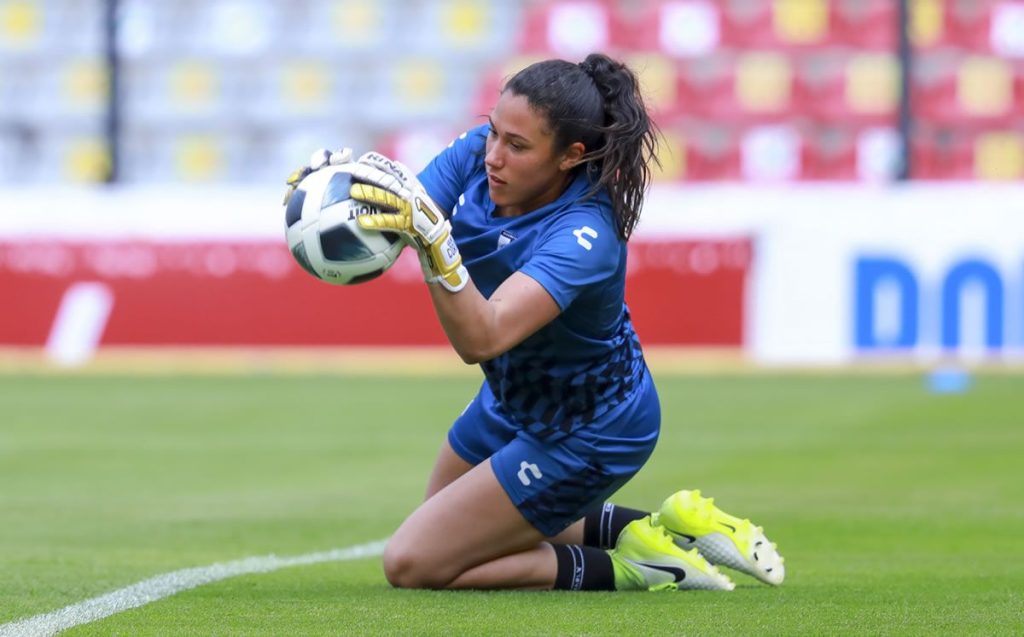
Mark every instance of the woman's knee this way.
pixel 408 566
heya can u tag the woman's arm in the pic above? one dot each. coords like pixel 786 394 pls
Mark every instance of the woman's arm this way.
pixel 480 329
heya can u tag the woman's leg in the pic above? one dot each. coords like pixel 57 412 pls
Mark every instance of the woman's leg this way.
pixel 449 467
pixel 469 534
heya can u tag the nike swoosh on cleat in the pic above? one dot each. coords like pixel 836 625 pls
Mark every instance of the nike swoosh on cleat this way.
pixel 678 573
pixel 728 526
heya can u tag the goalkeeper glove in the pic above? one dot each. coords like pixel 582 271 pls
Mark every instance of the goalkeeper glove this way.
pixel 320 158
pixel 390 185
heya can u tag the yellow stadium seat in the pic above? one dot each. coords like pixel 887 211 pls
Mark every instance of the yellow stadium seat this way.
pixel 985 86
pixel 21 24
pixel 198 158
pixel 418 81
pixel 464 22
pixel 657 75
pixel 87 160
pixel 999 156
pixel 672 156
pixel 800 21
pixel 764 82
pixel 193 84
pixel 357 21
pixel 306 86
pixel 926 22
pixel 85 84
pixel 873 83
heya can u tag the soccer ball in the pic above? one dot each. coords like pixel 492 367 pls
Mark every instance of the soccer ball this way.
pixel 324 236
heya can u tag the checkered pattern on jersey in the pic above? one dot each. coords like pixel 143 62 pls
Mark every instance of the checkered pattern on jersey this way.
pixel 550 398
pixel 565 499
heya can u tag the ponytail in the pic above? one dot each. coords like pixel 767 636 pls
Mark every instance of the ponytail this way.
pixel 598 103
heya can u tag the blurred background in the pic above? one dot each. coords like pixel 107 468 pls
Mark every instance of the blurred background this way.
pixel 842 180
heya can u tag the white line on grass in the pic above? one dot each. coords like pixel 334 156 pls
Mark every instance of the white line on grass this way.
pixel 156 588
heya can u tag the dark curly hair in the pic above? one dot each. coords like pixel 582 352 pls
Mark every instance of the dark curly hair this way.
pixel 597 102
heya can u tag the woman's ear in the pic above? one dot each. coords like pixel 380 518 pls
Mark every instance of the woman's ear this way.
pixel 572 156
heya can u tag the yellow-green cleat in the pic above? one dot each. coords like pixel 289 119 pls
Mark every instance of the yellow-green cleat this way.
pixel 646 558
pixel 695 522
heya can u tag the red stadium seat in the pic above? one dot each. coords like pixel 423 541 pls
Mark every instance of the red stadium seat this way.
pixel 841 88
pixel 820 87
pixel 706 88
pixel 866 24
pixel 753 87
pixel 968 24
pixel 828 154
pixel 488 90
pixel 941 154
pixel 843 153
pixel 760 24
pixel 973 90
pixel 704 151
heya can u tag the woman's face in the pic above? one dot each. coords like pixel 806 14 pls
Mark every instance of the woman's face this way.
pixel 524 172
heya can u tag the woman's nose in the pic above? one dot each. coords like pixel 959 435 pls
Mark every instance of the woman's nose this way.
pixel 493 157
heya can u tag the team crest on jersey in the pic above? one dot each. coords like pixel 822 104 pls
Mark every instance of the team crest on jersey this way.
pixel 505 238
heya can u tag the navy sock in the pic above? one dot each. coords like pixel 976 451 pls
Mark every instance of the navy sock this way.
pixel 601 528
pixel 583 568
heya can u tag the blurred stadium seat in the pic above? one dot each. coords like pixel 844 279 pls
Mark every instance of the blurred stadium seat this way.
pixel 571 28
pixel 21 25
pixel 743 89
pixel 999 155
pixel 756 24
pixel 865 24
pixel 950 88
pixel 941 154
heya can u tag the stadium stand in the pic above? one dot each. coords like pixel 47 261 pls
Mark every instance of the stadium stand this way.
pixel 743 89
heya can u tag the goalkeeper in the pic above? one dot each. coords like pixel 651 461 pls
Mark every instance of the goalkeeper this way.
pixel 527 277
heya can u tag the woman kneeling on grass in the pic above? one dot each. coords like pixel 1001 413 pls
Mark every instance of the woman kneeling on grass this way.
pixel 527 278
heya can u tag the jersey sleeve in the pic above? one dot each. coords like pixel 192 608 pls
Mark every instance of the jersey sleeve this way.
pixel 446 176
pixel 580 250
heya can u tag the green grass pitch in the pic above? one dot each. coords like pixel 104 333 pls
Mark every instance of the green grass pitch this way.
pixel 899 512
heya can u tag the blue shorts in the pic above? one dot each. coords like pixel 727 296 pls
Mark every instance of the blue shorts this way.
pixel 553 484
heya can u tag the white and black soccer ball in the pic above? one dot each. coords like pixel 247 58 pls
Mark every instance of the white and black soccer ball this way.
pixel 324 236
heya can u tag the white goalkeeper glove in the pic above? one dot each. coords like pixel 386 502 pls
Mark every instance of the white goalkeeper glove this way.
pixel 392 186
pixel 320 158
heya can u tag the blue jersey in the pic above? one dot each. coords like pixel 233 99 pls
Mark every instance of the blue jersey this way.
pixel 588 360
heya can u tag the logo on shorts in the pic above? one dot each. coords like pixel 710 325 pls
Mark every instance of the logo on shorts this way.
pixel 534 469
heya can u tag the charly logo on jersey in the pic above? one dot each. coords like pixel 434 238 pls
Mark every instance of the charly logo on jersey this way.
pixel 525 466
pixel 588 231
pixel 505 238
